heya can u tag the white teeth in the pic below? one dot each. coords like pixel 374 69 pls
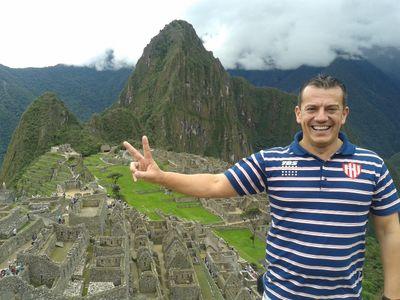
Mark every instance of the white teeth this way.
pixel 320 127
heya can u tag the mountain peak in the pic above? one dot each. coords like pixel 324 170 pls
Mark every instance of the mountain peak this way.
pixel 184 100
pixel 45 123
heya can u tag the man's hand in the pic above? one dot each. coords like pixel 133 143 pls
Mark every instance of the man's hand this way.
pixel 144 166
pixel 198 185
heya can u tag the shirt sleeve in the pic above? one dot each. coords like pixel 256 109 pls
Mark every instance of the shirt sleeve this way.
pixel 247 176
pixel 385 199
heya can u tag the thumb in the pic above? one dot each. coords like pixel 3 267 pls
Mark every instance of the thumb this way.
pixel 141 174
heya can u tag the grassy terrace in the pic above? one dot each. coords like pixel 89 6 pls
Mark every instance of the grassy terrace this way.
pixel 36 179
pixel 60 253
pixel 240 240
pixel 146 197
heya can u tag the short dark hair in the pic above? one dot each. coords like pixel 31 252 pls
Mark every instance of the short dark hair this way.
pixel 325 82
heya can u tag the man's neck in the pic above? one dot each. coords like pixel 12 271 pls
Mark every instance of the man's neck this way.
pixel 324 153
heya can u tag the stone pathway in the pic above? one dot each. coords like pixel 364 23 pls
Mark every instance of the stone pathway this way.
pixel 158 250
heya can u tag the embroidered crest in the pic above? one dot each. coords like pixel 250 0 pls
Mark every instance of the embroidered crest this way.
pixel 352 170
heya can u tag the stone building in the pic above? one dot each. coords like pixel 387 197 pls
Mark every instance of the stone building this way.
pixel 6 196
pixel 182 278
pixel 91 211
pixel 54 256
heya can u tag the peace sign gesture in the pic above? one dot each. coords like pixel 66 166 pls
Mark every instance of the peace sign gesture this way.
pixel 144 166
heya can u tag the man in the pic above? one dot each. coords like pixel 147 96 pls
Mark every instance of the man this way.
pixel 321 190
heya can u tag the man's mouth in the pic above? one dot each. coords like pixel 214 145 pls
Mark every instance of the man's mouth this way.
pixel 320 127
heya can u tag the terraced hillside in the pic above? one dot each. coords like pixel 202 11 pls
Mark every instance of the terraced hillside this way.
pixel 48 171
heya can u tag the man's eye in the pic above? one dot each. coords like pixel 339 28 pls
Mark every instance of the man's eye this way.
pixel 332 110
pixel 310 109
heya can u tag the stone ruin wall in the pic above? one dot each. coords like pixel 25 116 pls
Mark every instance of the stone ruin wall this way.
pixel 91 202
pixel 14 287
pixel 94 224
pixel 69 233
pixel 14 219
pixel 183 284
pixel 70 185
pixel 109 274
pixel 12 244
pixel 28 201
pixel 149 283
pixel 7 196
pixel 41 269
pixel 105 251
pixel 111 260
pixel 99 197
pixel 55 275
pixel 74 255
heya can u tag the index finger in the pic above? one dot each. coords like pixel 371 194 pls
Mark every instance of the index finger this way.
pixel 146 148
pixel 132 151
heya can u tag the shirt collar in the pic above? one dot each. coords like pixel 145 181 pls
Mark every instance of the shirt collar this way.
pixel 347 148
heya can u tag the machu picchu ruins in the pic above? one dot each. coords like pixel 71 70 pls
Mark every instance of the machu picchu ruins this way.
pixel 65 236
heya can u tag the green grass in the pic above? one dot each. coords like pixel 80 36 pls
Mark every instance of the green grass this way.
pixel 59 254
pixel 240 239
pixel 209 290
pixel 373 272
pixel 147 197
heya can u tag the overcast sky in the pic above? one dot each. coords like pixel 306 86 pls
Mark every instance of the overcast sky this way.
pixel 254 34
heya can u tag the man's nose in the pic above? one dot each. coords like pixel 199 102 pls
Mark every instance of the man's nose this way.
pixel 321 115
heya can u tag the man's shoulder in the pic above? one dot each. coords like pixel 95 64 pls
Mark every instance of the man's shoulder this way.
pixel 367 154
pixel 276 151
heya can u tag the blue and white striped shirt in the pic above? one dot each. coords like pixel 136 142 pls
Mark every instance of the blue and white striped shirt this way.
pixel 319 212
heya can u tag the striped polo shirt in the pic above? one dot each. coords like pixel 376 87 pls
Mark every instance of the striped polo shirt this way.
pixel 319 214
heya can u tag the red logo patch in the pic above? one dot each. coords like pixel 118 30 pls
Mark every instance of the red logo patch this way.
pixel 352 170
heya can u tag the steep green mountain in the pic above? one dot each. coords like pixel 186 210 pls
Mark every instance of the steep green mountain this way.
pixel 184 100
pixel 374 98
pixel 46 122
pixel 84 90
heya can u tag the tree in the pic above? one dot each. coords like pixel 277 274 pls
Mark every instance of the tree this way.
pixel 115 191
pixel 253 215
pixel 114 176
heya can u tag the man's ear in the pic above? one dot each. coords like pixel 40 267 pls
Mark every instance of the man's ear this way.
pixel 297 112
pixel 345 113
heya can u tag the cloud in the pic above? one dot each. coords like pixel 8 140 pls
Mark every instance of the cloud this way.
pixel 107 61
pixel 284 34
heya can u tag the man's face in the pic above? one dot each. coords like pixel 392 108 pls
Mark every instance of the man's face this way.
pixel 321 116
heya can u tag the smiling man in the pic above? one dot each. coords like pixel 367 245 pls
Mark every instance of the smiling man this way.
pixel 321 191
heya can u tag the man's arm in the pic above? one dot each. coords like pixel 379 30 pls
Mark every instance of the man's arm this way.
pixel 199 185
pixel 387 230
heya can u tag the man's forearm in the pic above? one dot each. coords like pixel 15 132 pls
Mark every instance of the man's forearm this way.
pixel 198 185
pixel 390 249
